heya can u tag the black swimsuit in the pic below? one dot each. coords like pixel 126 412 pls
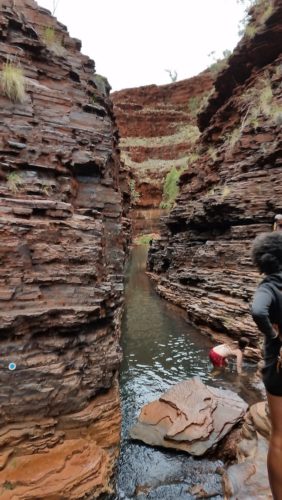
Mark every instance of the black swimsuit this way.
pixel 267 311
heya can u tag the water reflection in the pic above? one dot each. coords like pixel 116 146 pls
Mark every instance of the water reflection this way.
pixel 161 349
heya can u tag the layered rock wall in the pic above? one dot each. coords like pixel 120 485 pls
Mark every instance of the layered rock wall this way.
pixel 157 126
pixel 231 193
pixel 62 255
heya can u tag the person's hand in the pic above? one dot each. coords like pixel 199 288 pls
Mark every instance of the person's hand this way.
pixel 276 329
pixel 278 334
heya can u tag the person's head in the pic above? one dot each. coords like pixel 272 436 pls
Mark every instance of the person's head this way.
pixel 243 342
pixel 267 252
pixel 278 222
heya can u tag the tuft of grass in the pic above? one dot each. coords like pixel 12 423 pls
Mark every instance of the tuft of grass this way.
pixel 47 188
pixel 102 84
pixel 144 239
pixel 192 158
pixel 260 101
pixel 263 10
pixel 50 39
pixel 13 82
pixel 194 104
pixel 266 14
pixel 233 137
pixel 8 486
pixel 212 153
pixel 171 187
pixel 134 195
pixel 265 100
pixel 250 30
pixel 14 181
pixel 49 35
pixel 225 192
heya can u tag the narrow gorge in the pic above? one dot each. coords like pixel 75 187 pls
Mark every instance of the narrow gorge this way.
pixel 195 166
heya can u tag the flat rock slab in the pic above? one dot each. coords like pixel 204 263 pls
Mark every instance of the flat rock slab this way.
pixel 191 417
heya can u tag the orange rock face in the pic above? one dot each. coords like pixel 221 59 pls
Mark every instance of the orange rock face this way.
pixel 230 194
pixel 68 458
pixel 62 255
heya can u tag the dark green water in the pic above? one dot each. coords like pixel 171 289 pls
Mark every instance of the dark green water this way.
pixel 160 349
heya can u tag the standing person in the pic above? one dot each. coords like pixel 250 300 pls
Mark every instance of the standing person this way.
pixel 267 313
pixel 277 226
pixel 220 353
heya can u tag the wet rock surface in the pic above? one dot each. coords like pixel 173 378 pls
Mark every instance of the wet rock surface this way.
pixel 190 416
pixel 178 477
pixel 62 254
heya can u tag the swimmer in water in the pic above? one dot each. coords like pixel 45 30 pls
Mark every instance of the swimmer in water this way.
pixel 219 354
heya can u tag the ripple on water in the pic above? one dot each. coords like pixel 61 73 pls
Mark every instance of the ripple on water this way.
pixel 161 349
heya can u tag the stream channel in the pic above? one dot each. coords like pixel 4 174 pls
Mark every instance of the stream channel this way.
pixel 160 349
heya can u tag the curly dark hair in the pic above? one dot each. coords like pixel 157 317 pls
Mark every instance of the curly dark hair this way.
pixel 267 252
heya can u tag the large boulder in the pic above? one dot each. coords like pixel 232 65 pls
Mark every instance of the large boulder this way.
pixel 190 416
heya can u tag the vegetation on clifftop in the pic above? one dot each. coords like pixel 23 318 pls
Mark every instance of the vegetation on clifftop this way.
pixel 171 187
pixel 257 13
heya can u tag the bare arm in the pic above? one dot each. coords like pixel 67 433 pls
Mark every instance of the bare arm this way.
pixel 239 356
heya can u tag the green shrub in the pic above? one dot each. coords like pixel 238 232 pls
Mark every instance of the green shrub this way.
pixel 134 195
pixel 8 486
pixel 194 104
pixel 13 82
pixel 144 239
pixel 50 39
pixel 49 35
pixel 102 84
pixel 262 11
pixel 14 181
pixel 260 100
pixel 171 188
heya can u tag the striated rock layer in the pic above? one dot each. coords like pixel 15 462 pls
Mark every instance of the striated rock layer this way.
pixel 248 478
pixel 62 254
pixel 157 126
pixel 231 193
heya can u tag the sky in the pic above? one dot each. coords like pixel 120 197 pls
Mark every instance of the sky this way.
pixel 133 42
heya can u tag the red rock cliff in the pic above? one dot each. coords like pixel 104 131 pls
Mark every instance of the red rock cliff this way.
pixel 62 255
pixel 232 192
pixel 158 129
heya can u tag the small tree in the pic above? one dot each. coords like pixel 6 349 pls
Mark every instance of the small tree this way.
pixel 172 74
pixel 55 5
